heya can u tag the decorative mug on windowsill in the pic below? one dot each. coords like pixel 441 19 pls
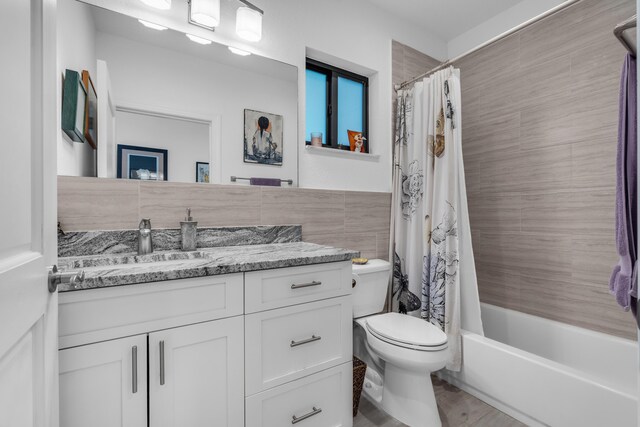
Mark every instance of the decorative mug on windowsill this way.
pixel 316 139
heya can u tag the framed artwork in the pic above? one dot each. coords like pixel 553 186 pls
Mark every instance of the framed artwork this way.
pixel 262 138
pixel 74 98
pixel 91 111
pixel 202 172
pixel 144 163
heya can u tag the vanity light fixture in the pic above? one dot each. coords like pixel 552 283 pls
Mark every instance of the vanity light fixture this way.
pixel 204 13
pixel 158 4
pixel 239 51
pixel 197 39
pixel 249 22
pixel 152 25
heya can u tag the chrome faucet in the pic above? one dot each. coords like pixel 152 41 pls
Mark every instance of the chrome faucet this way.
pixel 145 244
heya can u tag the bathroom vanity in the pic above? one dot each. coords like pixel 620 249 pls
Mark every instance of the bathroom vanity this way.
pixel 255 335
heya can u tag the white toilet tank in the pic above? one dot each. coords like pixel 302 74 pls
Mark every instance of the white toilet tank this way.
pixel 370 290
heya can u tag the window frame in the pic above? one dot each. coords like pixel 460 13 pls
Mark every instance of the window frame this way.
pixel 332 73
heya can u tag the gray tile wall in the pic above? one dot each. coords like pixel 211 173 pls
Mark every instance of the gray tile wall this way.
pixel 539 141
pixel 347 219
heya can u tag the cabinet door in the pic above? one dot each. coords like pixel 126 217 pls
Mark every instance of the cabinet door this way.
pixel 104 384
pixel 196 375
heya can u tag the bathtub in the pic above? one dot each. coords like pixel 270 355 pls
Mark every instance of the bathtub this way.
pixel 543 372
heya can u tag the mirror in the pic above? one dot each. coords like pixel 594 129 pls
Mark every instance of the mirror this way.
pixel 160 106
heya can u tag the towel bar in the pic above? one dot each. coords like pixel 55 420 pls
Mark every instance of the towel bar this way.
pixel 235 178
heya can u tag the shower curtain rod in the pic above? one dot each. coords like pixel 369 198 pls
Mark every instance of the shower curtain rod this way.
pixel 448 62
pixel 620 30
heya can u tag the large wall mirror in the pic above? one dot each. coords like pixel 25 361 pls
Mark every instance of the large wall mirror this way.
pixel 144 102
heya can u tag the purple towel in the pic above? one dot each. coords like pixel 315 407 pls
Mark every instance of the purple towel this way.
pixel 623 282
pixel 272 182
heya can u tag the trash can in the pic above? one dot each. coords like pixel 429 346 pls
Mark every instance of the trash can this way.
pixel 359 370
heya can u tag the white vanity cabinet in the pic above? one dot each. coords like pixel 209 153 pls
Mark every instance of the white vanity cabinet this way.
pixel 190 331
pixel 259 349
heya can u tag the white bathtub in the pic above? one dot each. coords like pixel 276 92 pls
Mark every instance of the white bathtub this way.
pixel 548 373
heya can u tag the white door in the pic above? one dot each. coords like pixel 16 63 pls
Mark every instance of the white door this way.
pixel 196 375
pixel 104 384
pixel 28 312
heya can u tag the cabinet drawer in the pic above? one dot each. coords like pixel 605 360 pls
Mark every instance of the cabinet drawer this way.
pixel 102 314
pixel 324 398
pixel 289 343
pixel 269 289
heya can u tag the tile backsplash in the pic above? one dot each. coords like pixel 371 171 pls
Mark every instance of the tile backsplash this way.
pixel 347 219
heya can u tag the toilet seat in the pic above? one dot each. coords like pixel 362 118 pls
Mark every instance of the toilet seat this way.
pixel 407 332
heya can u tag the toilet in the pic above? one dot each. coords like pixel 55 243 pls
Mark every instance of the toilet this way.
pixel 401 351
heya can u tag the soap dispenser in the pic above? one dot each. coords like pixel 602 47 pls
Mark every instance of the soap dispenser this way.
pixel 189 232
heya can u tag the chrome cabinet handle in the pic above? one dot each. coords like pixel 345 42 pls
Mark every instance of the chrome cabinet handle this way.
pixel 161 362
pixel 134 369
pixel 315 411
pixel 56 278
pixel 306 285
pixel 307 341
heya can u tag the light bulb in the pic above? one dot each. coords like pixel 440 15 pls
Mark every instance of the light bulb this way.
pixel 152 25
pixel 206 12
pixel 239 51
pixel 249 24
pixel 197 39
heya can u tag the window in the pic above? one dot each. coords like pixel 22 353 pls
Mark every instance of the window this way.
pixel 337 102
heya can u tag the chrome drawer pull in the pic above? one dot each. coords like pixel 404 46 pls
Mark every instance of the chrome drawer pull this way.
pixel 296 420
pixel 306 285
pixel 134 369
pixel 307 341
pixel 162 362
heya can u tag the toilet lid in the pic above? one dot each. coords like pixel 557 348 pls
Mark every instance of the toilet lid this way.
pixel 406 329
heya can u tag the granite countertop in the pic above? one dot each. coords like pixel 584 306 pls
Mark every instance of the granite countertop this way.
pixel 117 269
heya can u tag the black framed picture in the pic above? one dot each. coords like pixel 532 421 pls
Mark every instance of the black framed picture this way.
pixel 202 172
pixel 143 163
pixel 263 134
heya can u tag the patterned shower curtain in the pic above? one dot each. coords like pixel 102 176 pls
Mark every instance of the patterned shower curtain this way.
pixel 429 207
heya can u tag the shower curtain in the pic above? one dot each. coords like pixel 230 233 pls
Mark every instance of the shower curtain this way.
pixel 434 268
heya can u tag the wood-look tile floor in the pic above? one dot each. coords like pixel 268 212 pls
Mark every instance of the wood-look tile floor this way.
pixel 457 409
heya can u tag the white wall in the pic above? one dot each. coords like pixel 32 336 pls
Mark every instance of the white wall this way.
pixel 187 142
pixel 160 79
pixel 76 51
pixel 353 30
pixel 510 18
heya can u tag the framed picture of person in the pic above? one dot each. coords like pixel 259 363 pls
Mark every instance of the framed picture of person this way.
pixel 263 137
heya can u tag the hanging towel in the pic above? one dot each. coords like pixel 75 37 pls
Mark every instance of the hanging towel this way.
pixel 623 284
pixel 270 182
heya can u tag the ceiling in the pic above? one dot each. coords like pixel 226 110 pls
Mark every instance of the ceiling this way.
pixel 446 19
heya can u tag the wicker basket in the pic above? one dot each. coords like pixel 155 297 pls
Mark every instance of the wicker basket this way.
pixel 359 369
